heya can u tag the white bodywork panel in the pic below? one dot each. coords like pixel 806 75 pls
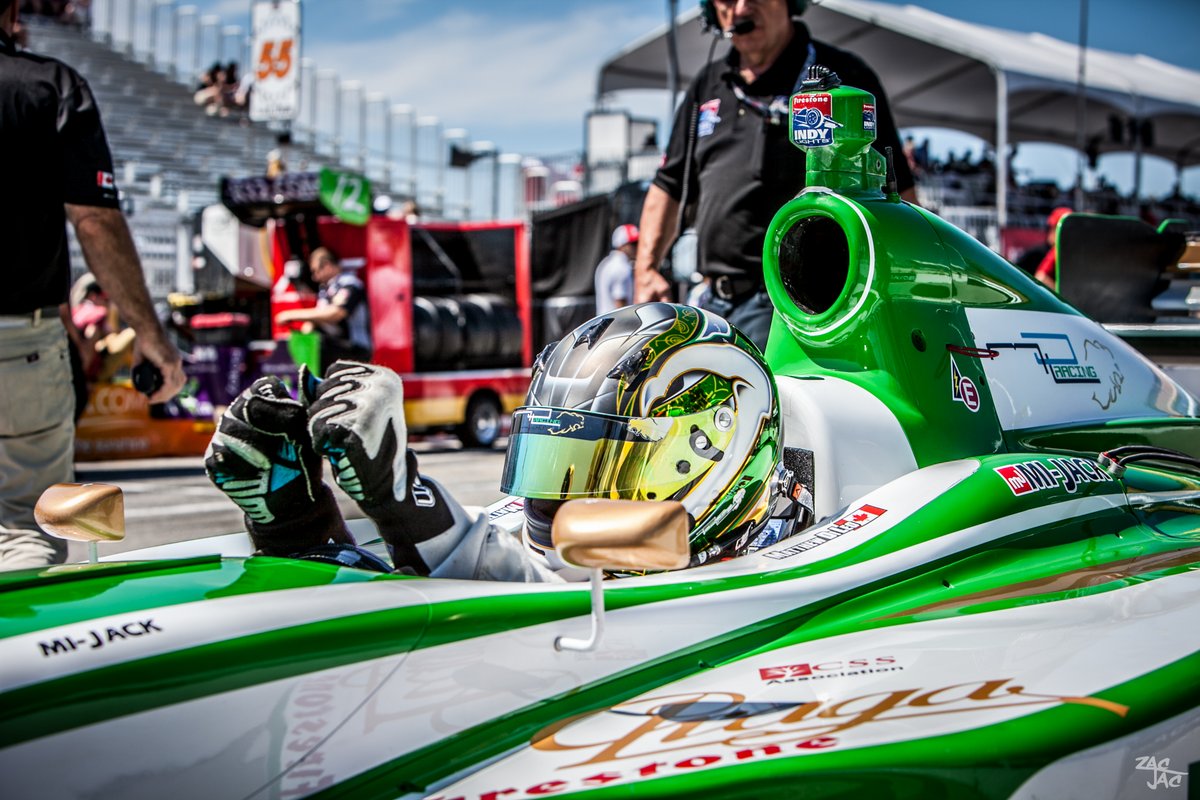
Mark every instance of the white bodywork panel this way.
pixel 856 441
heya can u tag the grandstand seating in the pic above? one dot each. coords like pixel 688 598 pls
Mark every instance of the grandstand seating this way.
pixel 169 155
pixel 156 130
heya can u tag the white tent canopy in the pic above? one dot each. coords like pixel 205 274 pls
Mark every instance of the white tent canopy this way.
pixel 999 85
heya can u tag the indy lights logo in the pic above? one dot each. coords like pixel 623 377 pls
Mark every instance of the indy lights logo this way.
pixel 1063 366
pixel 1034 476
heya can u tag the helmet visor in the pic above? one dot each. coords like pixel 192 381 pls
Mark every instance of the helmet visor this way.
pixel 559 454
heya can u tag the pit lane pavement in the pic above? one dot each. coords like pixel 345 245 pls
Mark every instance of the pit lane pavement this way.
pixel 171 499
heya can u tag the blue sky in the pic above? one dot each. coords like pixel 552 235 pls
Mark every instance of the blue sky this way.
pixel 522 73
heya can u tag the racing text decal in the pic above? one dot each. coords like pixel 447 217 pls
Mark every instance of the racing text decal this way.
pixel 1034 476
pixel 97 638
pixel 1055 354
pixel 851 522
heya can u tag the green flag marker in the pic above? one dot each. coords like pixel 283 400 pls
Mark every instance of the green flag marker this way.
pixel 347 195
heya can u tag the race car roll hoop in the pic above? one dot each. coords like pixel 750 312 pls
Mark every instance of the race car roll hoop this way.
pixel 883 294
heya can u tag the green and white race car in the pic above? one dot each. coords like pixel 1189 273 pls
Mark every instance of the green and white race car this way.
pixel 998 597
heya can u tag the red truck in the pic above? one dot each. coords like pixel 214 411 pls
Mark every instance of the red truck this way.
pixel 450 311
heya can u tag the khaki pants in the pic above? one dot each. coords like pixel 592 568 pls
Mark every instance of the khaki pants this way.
pixel 37 435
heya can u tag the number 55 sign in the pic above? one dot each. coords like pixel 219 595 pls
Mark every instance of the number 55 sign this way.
pixel 276 93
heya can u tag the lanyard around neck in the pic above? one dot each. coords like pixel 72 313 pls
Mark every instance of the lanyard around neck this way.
pixel 776 111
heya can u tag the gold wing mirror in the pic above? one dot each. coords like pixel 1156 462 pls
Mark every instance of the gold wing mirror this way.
pixel 618 535
pixel 82 512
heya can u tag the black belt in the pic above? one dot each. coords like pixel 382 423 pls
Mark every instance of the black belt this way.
pixel 727 287
pixel 28 317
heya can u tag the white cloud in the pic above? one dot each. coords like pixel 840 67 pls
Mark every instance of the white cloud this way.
pixel 491 73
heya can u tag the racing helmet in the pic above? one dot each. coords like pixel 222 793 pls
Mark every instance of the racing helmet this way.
pixel 651 402
pixel 708 14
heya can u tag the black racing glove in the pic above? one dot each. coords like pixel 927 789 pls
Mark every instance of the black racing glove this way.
pixel 356 418
pixel 262 458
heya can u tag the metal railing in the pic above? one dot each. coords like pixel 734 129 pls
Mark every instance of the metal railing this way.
pixel 404 152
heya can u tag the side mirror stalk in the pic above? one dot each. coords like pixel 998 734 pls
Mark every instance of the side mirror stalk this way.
pixel 588 644
pixel 618 535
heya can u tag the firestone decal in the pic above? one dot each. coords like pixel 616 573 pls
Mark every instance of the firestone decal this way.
pixel 95 639
pixel 868 117
pixel 1034 476
pixel 861 516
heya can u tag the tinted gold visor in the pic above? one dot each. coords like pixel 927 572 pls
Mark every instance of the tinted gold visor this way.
pixel 559 454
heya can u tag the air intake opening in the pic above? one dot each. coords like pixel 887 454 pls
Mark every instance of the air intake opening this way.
pixel 814 262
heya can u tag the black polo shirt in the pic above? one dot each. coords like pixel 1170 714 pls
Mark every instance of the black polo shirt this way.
pixel 744 167
pixel 53 150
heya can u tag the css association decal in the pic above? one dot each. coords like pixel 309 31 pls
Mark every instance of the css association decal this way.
pixel 812 120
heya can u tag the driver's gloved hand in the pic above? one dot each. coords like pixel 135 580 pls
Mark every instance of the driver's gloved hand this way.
pixel 356 418
pixel 262 458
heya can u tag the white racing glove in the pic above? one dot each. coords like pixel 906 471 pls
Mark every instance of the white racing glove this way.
pixel 356 419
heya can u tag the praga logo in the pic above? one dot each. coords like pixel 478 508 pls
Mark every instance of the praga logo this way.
pixel 679 733
pixel 1034 476
pixel 812 122
pixel 851 522
pixel 1055 354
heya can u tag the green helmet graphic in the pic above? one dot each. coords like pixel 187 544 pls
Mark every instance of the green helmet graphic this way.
pixel 651 402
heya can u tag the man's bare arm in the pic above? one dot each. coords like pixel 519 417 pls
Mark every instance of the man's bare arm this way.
pixel 331 314
pixel 111 256
pixel 656 231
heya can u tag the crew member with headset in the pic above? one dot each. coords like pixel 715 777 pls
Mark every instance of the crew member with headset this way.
pixel 57 168
pixel 730 155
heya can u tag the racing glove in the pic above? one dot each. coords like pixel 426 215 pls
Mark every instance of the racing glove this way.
pixel 262 458
pixel 356 419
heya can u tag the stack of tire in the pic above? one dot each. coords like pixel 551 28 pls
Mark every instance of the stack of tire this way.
pixel 465 332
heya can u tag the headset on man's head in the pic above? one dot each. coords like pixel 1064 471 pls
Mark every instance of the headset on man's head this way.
pixel 708 14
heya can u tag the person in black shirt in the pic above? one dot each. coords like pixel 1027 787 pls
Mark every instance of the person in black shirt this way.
pixel 57 168
pixel 341 313
pixel 734 122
